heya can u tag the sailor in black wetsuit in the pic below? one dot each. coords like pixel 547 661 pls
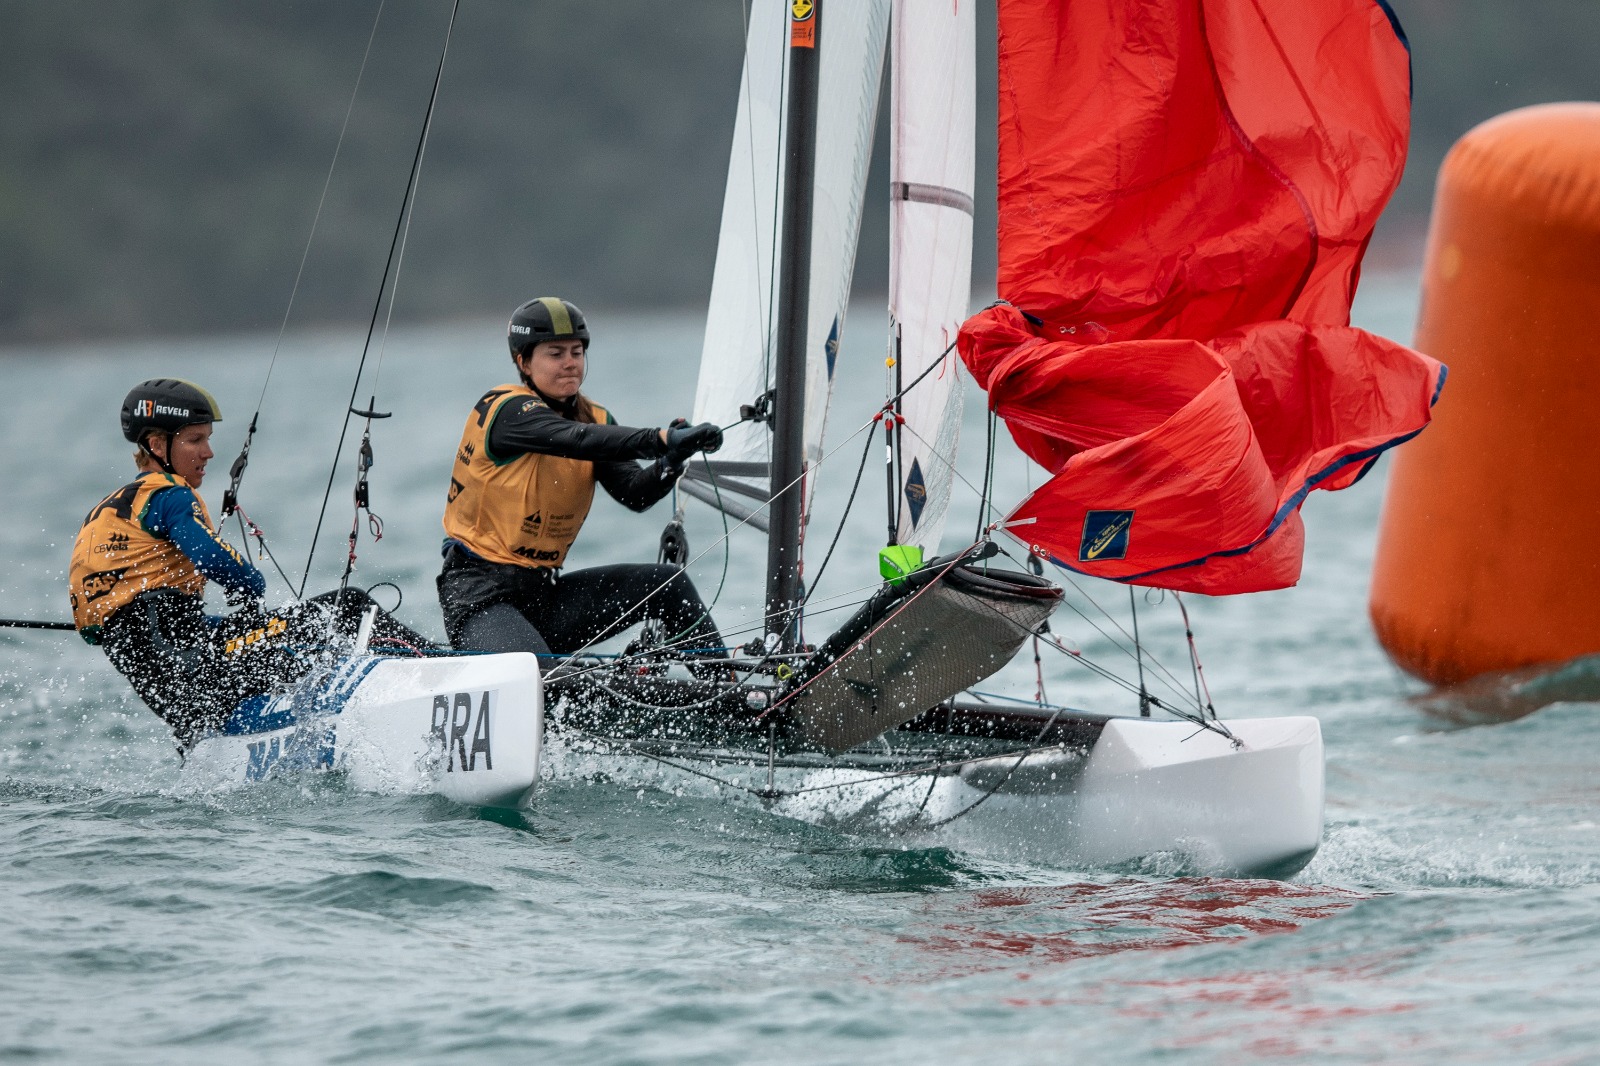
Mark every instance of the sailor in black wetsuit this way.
pixel 523 480
pixel 140 566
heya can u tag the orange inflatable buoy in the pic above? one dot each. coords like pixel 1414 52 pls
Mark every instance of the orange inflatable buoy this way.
pixel 1489 548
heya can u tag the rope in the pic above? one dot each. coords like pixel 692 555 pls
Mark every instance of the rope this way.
pixel 635 702
pixel 726 555
pixel 981 800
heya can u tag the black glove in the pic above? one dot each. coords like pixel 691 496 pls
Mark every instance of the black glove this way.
pixel 685 440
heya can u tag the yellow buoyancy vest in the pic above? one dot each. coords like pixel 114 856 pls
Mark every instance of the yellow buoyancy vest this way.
pixel 115 558
pixel 525 510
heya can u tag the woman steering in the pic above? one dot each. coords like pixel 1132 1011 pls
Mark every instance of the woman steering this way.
pixel 524 478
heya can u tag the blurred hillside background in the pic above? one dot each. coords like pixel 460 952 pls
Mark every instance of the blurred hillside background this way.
pixel 161 162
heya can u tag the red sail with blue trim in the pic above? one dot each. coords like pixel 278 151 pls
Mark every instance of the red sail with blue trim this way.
pixel 1186 191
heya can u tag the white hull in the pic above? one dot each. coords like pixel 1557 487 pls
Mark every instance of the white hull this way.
pixel 1149 790
pixel 470 728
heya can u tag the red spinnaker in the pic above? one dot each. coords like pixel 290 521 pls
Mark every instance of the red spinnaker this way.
pixel 1186 190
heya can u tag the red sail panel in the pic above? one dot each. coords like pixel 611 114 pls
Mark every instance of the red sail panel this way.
pixel 1186 188
pixel 1173 168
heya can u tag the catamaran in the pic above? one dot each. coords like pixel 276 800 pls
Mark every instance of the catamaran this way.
pixel 1179 243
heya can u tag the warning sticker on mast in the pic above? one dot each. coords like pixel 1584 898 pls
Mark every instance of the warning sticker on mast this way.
pixel 802 24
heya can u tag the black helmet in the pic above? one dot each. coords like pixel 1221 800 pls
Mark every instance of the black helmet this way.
pixel 166 404
pixel 547 318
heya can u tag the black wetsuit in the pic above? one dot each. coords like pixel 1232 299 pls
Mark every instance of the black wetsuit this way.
pixel 193 671
pixel 497 607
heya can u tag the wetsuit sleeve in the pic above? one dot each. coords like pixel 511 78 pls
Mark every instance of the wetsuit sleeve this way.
pixel 174 513
pixel 635 487
pixel 522 426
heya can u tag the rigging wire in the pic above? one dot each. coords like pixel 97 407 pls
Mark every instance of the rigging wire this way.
pixel 834 543
pixel 390 265
pixel 903 605
pixel 230 497
pixel 248 528
pixel 322 200
pixel 606 662
pixel 1168 677
pixel 770 310
pixel 1194 661
pixel 1198 719
pixel 632 747
pixel 988 470
pixel 728 532
pixel 727 554
pixel 1138 655
pixel 741 524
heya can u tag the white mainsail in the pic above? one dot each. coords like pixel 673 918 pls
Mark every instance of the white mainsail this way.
pixel 933 93
pixel 735 360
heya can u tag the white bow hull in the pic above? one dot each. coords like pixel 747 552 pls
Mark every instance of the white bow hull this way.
pixel 1156 793
pixel 469 728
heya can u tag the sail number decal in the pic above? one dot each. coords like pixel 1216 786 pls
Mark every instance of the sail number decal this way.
pixel 461 726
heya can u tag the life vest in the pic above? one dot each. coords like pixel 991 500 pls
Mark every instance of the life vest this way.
pixel 526 510
pixel 114 557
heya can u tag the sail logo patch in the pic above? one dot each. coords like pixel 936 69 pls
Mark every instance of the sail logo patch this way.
pixel 916 492
pixel 1105 536
pixel 831 348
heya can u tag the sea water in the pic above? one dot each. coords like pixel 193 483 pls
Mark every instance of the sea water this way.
pixel 1452 913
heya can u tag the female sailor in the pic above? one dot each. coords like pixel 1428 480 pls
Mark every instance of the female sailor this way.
pixel 522 484
pixel 139 568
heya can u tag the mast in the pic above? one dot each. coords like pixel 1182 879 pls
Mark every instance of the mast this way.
pixel 794 285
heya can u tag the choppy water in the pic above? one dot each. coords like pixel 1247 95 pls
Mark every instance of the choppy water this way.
pixel 1453 913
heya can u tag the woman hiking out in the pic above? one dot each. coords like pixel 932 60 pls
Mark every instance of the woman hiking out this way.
pixel 140 564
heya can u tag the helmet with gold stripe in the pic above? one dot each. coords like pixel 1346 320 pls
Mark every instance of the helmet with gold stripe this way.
pixel 545 318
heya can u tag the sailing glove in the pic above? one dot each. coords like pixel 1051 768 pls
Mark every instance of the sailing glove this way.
pixel 685 440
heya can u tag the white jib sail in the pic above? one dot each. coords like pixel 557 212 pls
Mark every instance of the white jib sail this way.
pixel 735 356
pixel 932 104
pixel 735 360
